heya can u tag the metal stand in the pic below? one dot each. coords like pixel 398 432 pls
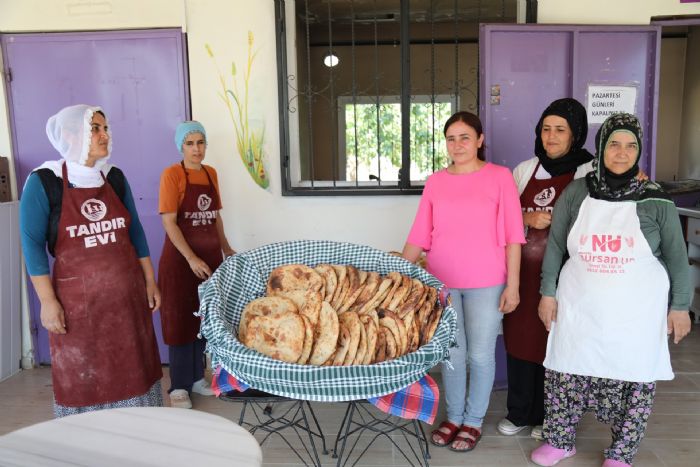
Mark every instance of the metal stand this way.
pixel 359 418
pixel 271 418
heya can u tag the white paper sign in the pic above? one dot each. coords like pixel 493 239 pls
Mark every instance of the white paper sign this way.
pixel 604 101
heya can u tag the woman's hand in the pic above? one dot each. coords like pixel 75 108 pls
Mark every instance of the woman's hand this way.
pixel 199 267
pixel 53 317
pixel 153 294
pixel 678 324
pixel 509 299
pixel 547 311
pixel 537 219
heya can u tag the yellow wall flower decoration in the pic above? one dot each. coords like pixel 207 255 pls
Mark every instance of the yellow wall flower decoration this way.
pixel 249 141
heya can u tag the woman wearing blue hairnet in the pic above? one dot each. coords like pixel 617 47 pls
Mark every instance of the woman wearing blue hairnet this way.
pixel 195 245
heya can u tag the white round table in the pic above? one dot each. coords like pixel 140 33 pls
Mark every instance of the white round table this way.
pixel 139 436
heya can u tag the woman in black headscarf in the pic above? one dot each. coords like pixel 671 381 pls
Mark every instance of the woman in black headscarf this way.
pixel 607 309
pixel 559 158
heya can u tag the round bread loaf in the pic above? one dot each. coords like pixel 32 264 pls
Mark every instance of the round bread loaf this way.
pixel 280 336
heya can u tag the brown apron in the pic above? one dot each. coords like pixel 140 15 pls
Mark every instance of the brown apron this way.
pixel 524 334
pixel 109 352
pixel 196 217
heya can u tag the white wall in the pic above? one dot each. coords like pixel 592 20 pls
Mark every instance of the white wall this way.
pixel 671 77
pixel 610 12
pixel 690 126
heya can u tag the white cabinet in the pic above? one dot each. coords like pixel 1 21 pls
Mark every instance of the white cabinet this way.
pixel 10 275
pixel 693 236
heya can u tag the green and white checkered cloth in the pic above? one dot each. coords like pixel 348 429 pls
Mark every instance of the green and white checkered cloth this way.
pixel 242 278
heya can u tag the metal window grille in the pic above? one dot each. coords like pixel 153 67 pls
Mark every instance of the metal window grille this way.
pixel 366 86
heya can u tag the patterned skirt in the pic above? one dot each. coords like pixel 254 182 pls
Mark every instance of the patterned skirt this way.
pixel 153 398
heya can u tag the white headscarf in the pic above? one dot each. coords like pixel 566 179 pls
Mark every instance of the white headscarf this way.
pixel 70 132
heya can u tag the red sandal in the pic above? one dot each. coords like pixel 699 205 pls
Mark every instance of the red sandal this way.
pixel 468 435
pixel 445 438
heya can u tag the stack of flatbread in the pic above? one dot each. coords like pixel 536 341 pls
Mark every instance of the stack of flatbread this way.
pixel 339 315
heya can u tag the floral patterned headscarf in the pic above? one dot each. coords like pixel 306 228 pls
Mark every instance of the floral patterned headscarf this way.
pixel 606 185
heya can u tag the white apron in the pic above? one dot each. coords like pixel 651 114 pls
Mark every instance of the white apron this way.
pixel 613 300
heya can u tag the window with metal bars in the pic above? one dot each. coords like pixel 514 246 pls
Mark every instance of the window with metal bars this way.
pixel 365 87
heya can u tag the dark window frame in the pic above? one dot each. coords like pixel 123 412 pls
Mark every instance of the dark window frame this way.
pixel 405 187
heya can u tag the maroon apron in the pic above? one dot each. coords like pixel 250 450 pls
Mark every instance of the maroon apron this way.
pixel 524 334
pixel 196 217
pixel 109 352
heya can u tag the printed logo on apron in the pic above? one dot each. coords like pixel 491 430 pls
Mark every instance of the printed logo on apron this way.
pixel 612 299
pixel 93 209
pixel 545 197
pixel 203 202
pixel 604 254
pixel 203 217
pixel 99 231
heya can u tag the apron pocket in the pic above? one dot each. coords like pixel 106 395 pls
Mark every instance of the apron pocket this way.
pixel 71 293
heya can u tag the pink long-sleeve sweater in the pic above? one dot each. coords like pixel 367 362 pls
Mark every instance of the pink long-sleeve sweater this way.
pixel 464 222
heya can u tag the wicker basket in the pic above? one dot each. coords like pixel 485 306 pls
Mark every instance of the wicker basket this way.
pixel 242 278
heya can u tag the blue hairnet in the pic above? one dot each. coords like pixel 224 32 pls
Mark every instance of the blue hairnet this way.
pixel 186 128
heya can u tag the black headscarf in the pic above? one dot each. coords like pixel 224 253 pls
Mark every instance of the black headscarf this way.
pixel 575 114
pixel 606 185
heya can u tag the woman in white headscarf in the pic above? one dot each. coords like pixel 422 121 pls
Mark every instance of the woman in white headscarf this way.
pixel 97 303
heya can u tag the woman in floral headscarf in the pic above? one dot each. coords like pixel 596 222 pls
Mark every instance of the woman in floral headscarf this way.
pixel 607 309
pixel 97 306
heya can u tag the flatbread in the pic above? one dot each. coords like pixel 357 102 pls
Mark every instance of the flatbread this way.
pixel 380 347
pixel 329 362
pixel 408 325
pixel 312 307
pixel 308 302
pixel 424 312
pixel 393 323
pixel 410 304
pixel 419 304
pixel 352 322
pixel 330 278
pixel 264 306
pixel 308 341
pixel 325 335
pixel 361 347
pixel 342 288
pixel 413 336
pixel 372 314
pixel 400 294
pixel 379 295
pixel 293 277
pixel 368 291
pixel 279 336
pixel 354 289
pixel 432 325
pixel 396 280
pixel 391 345
pixel 371 331
pixel 342 350
pixel 363 276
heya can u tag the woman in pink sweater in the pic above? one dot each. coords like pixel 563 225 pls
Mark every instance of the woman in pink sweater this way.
pixel 470 224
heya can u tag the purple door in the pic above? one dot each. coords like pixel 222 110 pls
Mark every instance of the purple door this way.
pixel 525 67
pixel 139 79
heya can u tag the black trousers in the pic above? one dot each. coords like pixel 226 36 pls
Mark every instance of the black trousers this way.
pixel 186 364
pixel 525 392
